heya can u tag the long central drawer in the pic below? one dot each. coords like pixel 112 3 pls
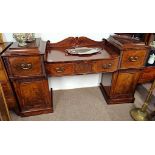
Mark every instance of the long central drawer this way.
pixel 81 67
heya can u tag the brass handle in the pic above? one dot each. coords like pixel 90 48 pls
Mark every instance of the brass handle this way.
pixel 133 59
pixel 106 66
pixel 25 66
pixel 59 69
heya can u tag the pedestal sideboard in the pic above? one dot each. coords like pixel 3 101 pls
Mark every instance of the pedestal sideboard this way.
pixel 29 67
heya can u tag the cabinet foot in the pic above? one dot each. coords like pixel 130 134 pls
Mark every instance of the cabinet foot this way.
pixel 32 113
pixel 112 99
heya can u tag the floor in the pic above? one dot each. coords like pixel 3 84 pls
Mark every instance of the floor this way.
pixel 86 104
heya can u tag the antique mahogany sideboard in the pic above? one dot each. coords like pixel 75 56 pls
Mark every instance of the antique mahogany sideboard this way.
pixel 28 69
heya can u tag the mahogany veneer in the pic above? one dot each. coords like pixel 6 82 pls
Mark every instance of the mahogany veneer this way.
pixel 122 88
pixel 147 75
pixel 29 67
pixel 33 96
pixel 100 66
pixel 25 68
pixel 57 63
pixel 133 58
pixel 4 80
pixel 133 54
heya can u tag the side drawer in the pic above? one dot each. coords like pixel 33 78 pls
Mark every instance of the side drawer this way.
pixel 147 75
pixel 105 65
pixel 59 69
pixel 133 59
pixel 24 66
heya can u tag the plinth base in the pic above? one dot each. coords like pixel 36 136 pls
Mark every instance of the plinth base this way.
pixel 115 99
pixel 36 111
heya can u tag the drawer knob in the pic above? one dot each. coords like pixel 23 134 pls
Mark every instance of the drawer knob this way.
pixel 59 69
pixel 106 66
pixel 133 58
pixel 25 66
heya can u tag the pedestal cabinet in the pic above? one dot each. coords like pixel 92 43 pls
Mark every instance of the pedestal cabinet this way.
pixel 122 87
pixel 25 68
pixel 133 55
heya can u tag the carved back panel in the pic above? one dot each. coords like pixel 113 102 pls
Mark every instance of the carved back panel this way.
pixel 73 42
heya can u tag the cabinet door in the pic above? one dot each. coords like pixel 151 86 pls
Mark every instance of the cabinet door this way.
pixel 33 95
pixel 124 82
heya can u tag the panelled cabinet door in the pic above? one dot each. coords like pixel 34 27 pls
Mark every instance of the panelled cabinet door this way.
pixel 33 95
pixel 125 82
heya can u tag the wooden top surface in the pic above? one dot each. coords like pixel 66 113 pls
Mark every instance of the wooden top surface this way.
pixel 34 44
pixel 34 48
pixel 60 55
pixel 56 52
pixel 126 42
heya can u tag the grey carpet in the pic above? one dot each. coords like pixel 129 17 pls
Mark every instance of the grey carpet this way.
pixel 143 91
pixel 86 104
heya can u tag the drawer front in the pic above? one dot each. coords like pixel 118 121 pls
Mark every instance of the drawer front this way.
pixel 83 67
pixel 133 59
pixel 25 66
pixel 147 75
pixel 59 69
pixel 105 66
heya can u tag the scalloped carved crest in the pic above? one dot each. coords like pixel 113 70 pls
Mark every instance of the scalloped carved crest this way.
pixel 73 42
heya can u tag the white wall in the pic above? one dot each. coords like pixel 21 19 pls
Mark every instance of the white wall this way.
pixel 8 36
pixel 55 37
pixel 69 82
